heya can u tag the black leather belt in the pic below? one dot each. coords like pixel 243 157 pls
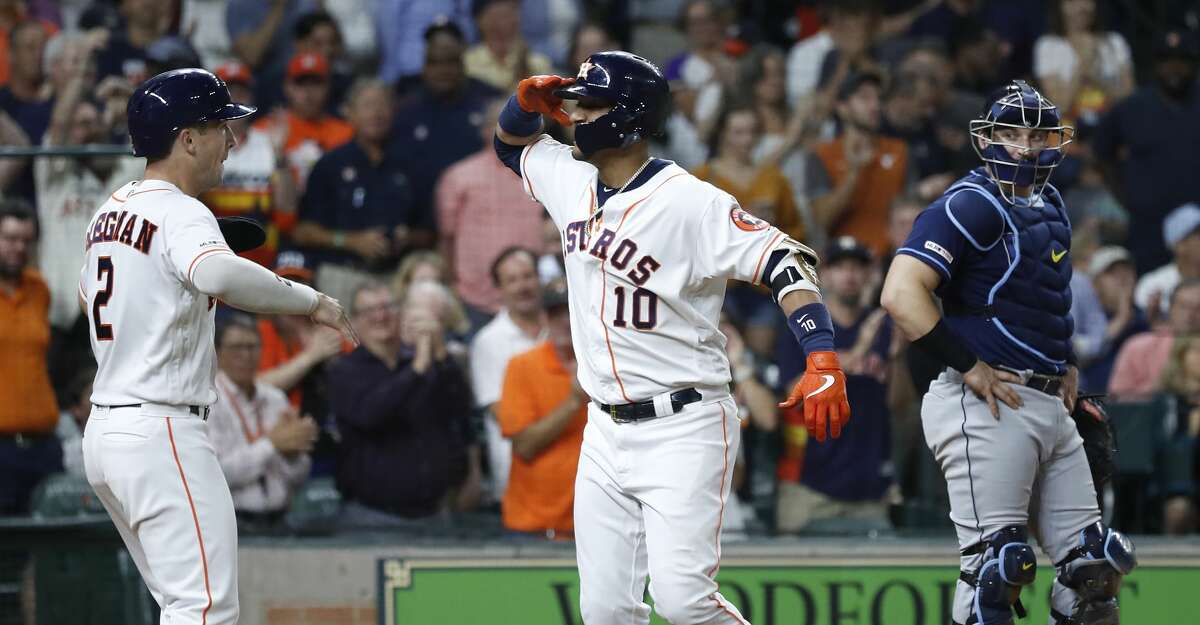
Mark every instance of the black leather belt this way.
pixel 199 411
pixel 1048 384
pixel 642 410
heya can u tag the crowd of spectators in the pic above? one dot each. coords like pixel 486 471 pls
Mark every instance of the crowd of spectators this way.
pixel 370 164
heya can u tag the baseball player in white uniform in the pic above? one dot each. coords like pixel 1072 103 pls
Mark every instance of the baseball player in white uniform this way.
pixel 648 251
pixel 156 262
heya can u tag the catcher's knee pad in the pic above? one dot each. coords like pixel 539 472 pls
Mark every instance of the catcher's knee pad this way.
pixel 1008 564
pixel 1094 569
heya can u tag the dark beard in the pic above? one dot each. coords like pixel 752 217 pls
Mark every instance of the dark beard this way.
pixel 10 272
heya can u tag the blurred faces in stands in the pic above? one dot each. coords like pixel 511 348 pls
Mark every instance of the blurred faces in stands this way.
pixel 28 41
pixel 318 32
pixel 16 238
pixel 1184 314
pixel 238 349
pixel 146 16
pixel 307 85
pixel 443 71
pixel 703 25
pixel 369 108
pixel 515 273
pixel 979 57
pixel 927 69
pixel 861 105
pixel 852 26
pixel 375 315
pixel 768 86
pixel 85 125
pixel 498 21
pixel 1114 284
pixel 589 39
pixel 738 135
pixel 1175 63
pixel 845 272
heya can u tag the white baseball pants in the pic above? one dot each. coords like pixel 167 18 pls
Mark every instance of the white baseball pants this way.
pixel 650 498
pixel 156 473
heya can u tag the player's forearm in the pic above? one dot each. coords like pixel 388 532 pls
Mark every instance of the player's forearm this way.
pixel 288 374
pixel 311 234
pixel 828 207
pixel 251 287
pixel 533 440
pixel 517 126
pixel 512 139
pixel 253 45
pixel 797 299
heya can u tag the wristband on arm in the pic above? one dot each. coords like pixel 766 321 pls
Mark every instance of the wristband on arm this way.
pixel 517 121
pixel 941 343
pixel 813 328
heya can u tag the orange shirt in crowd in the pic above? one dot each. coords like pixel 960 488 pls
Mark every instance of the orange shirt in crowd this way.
pixel 27 401
pixel 541 492
pixel 769 197
pixel 5 66
pixel 308 139
pixel 275 352
pixel 879 183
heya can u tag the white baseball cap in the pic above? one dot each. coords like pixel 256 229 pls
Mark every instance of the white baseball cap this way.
pixel 1106 257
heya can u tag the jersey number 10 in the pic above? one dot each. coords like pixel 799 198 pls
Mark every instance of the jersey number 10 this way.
pixel 643 307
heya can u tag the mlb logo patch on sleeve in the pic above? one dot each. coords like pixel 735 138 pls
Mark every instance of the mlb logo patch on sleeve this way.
pixel 940 251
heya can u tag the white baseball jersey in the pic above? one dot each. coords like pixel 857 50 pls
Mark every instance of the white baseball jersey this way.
pixel 646 273
pixel 151 330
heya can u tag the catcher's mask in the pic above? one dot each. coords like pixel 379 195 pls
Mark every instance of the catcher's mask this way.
pixel 1014 160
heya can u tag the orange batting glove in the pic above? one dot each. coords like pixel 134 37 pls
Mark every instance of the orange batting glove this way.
pixel 536 95
pixel 822 388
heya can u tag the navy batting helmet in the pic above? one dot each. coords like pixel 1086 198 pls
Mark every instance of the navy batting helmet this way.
pixel 638 92
pixel 1020 106
pixel 173 100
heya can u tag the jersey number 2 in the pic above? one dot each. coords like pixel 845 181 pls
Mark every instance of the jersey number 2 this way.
pixel 104 272
pixel 641 301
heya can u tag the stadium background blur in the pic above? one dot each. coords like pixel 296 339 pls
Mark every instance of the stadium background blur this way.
pixel 370 165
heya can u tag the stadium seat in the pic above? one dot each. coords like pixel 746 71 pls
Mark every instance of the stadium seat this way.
pixel 64 495
pixel 315 508
pixel 1138 432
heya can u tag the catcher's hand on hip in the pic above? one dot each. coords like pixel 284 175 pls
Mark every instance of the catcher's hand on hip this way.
pixel 536 95
pixel 822 388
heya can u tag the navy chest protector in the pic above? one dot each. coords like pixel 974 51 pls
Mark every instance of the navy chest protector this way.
pixel 1030 300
